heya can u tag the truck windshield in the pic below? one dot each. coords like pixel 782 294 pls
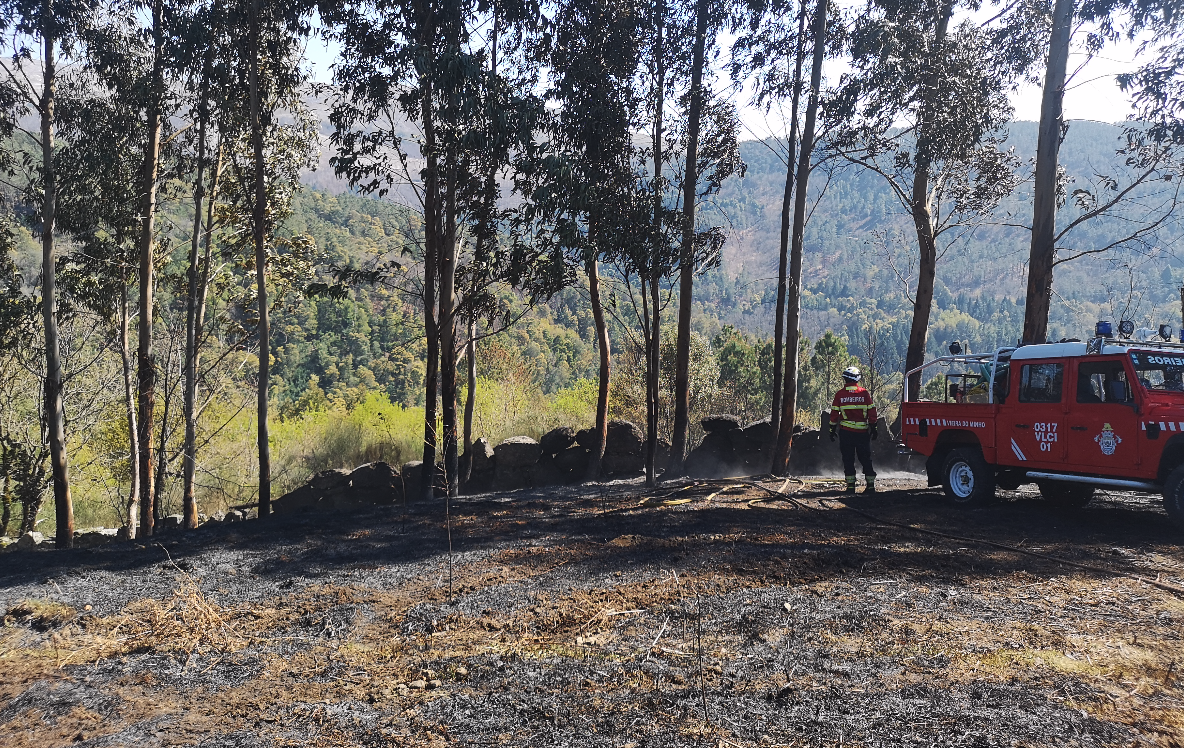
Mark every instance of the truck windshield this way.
pixel 1159 371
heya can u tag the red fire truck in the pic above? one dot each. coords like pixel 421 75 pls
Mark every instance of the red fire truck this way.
pixel 1070 417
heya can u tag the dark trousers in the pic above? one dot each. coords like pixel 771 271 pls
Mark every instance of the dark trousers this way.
pixel 852 444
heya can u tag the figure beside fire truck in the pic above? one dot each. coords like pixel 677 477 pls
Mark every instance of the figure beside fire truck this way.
pixel 1070 417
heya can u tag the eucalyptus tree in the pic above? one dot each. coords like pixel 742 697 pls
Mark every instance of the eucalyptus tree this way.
pixel 709 138
pixel 203 40
pixel 774 35
pixel 802 182
pixel 426 115
pixel 924 107
pixel 594 62
pixel 264 157
pixel 39 34
pixel 1147 160
pixel 100 209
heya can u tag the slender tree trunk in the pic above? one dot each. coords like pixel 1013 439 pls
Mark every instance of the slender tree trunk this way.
pixel 793 317
pixel 448 335
pixel 647 330
pixel 162 460
pixel 259 229
pixel 189 499
pixel 199 280
pixel 6 495
pixel 199 323
pixel 786 214
pixel 686 280
pixel 654 352
pixel 597 456
pixel 431 215
pixel 146 359
pixel 55 419
pixel 923 219
pixel 129 401
pixel 466 467
pixel 1044 203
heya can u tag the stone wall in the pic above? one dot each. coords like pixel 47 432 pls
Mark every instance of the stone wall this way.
pixel 561 456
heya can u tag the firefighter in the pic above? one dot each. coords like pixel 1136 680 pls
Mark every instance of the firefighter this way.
pixel 853 421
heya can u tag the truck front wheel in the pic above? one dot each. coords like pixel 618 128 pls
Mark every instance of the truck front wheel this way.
pixel 1173 496
pixel 968 479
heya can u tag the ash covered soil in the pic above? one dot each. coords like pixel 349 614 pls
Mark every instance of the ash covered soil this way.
pixel 715 615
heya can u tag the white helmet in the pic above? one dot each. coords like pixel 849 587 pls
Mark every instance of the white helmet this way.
pixel 851 374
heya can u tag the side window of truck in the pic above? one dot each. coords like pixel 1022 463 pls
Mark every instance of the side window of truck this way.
pixel 1102 382
pixel 1041 383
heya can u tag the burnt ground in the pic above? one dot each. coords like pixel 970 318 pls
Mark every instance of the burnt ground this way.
pixel 585 617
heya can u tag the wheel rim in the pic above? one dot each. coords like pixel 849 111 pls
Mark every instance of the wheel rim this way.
pixel 962 480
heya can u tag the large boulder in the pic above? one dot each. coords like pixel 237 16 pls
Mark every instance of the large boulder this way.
pixel 329 480
pixel 573 461
pixel 586 438
pixel 622 465
pixel 760 432
pixel 557 440
pixel 482 456
pixel 377 482
pixel 95 537
pixel 514 463
pixel 30 540
pixel 720 422
pixel 547 472
pixel 412 474
pixel 517 452
pixel 624 438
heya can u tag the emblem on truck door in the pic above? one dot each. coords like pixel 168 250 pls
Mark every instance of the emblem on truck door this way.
pixel 1108 440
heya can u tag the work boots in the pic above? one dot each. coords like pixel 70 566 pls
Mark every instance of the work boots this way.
pixel 850 484
pixel 871 484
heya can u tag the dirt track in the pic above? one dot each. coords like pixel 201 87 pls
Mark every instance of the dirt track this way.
pixel 586 619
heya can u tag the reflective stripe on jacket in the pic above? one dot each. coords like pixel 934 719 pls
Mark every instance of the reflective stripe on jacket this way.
pixel 853 409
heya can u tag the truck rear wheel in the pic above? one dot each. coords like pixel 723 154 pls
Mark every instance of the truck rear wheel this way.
pixel 1173 496
pixel 968 479
pixel 1066 495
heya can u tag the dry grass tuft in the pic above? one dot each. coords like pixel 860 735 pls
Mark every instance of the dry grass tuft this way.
pixel 42 615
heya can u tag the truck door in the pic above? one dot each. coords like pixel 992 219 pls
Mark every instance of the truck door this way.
pixel 1103 428
pixel 1030 424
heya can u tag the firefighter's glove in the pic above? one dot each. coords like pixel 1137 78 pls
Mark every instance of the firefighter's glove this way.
pixel 875 431
pixel 834 432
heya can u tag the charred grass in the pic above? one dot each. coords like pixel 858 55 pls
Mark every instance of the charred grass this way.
pixel 733 619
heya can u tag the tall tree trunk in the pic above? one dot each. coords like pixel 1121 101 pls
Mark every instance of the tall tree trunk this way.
pixel 259 228
pixel 654 352
pixel 1044 202
pixel 129 401
pixel 923 219
pixel 431 243
pixel 686 279
pixel 145 358
pixel 55 419
pixel 786 214
pixel 448 334
pixel 189 498
pixel 793 317
pixel 597 456
pixel 6 494
pixel 466 467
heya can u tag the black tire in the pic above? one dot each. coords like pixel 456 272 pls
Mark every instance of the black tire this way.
pixel 967 478
pixel 1173 496
pixel 1066 495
